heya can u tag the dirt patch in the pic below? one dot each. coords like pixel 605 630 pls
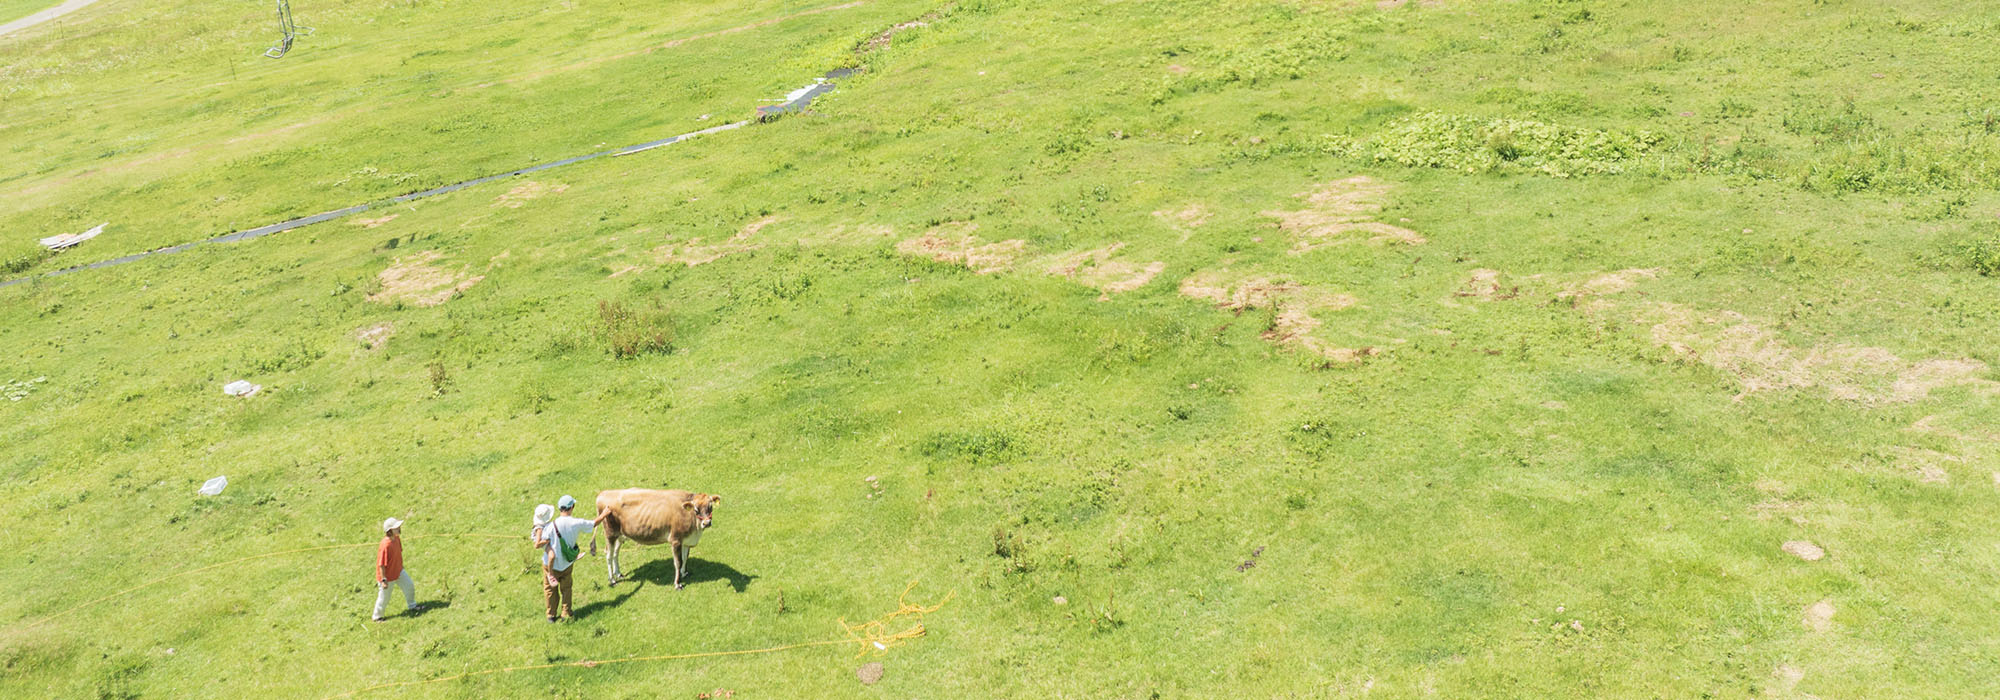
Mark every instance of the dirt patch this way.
pixel 374 336
pixel 1188 217
pixel 1819 616
pixel 1608 283
pixel 1928 466
pixel 870 673
pixel 1486 285
pixel 525 192
pixel 1787 678
pixel 882 41
pixel 1804 550
pixel 694 252
pixel 1178 69
pixel 1096 269
pixel 1342 211
pixel 415 280
pixel 1295 309
pixel 373 223
pixel 1760 360
pixel 954 243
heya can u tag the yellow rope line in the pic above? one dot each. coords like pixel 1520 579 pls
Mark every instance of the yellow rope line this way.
pixel 872 636
pixel 217 565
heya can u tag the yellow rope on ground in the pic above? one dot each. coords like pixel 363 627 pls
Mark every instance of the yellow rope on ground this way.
pixel 872 636
pixel 874 633
pixel 218 565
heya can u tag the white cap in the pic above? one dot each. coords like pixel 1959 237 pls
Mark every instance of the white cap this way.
pixel 391 524
pixel 544 513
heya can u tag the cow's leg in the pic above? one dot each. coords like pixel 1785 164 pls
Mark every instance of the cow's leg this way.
pixel 611 557
pixel 680 565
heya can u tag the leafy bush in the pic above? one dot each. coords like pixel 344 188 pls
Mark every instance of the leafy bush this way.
pixel 24 261
pixel 628 333
pixel 977 447
pixel 1980 253
pixel 1472 144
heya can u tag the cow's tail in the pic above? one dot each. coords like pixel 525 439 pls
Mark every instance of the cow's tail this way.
pixel 598 524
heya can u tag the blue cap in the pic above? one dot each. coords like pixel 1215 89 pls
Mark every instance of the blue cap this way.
pixel 566 503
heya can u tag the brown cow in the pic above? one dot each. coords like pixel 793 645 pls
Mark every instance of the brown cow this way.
pixel 648 516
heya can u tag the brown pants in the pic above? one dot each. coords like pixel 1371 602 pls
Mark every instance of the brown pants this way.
pixel 555 586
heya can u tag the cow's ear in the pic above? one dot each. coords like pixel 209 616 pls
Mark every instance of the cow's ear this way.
pixel 687 505
pixel 714 500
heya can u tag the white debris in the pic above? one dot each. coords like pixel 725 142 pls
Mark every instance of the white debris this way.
pixel 64 241
pixel 214 487
pixel 240 388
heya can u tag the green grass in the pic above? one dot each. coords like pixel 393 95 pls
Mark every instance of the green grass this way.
pixel 1430 519
pixel 11 10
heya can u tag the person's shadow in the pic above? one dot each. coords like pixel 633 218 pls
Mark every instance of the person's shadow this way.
pixel 660 572
pixel 426 607
pixel 587 609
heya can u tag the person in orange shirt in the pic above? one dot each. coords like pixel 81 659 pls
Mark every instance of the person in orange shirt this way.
pixel 389 568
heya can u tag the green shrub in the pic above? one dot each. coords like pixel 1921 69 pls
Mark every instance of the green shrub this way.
pixel 628 333
pixel 1979 253
pixel 1472 144
pixel 978 447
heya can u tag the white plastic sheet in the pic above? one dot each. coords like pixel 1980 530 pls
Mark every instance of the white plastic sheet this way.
pixel 240 388
pixel 214 487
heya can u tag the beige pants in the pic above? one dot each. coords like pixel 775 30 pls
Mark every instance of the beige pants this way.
pixel 555 585
pixel 409 594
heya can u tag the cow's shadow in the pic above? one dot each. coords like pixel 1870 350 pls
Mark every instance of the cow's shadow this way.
pixel 587 609
pixel 660 572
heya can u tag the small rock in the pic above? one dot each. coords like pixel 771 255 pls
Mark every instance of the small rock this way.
pixel 869 672
pixel 1804 550
pixel 1576 625
pixel 1059 600
pixel 869 479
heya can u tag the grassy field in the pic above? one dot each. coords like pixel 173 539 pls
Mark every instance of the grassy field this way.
pixel 11 10
pixel 1271 349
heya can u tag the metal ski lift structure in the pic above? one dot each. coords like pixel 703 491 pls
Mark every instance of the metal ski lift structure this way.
pixel 290 28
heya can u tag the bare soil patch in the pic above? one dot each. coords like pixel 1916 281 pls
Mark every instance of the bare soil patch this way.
pixel 373 223
pixel 870 673
pixel 1928 466
pixel 1486 285
pixel 1342 211
pixel 954 243
pixel 888 36
pixel 376 335
pixel 1608 283
pixel 1761 360
pixel 1819 616
pixel 694 252
pixel 1188 217
pixel 1096 269
pixel 415 280
pixel 1296 309
pixel 525 192
pixel 1804 550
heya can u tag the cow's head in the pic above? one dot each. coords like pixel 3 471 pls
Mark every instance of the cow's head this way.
pixel 703 507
